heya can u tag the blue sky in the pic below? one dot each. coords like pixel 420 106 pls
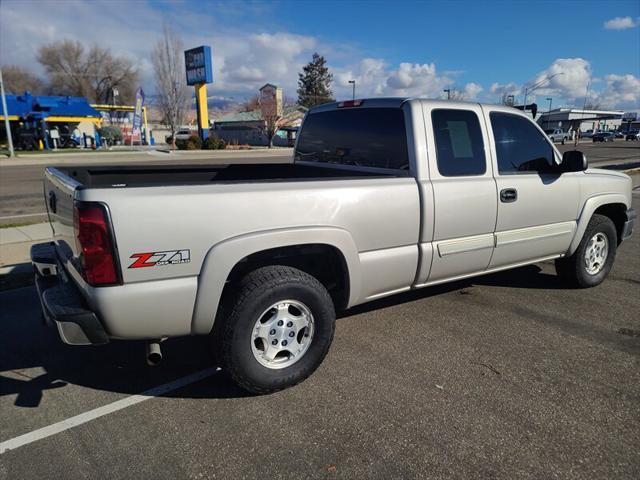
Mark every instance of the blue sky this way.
pixel 482 48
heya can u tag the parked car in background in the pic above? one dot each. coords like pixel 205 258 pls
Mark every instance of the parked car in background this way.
pixel 557 135
pixel 634 135
pixel 384 196
pixel 619 134
pixel 587 134
pixel 604 137
pixel 182 134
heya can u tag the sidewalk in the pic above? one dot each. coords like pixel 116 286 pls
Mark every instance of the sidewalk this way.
pixel 15 243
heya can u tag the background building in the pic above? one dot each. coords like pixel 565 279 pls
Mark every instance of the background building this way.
pixel 570 119
pixel 249 128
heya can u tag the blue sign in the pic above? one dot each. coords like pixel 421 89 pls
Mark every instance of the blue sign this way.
pixel 198 65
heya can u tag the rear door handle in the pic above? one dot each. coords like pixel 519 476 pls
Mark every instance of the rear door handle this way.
pixel 508 195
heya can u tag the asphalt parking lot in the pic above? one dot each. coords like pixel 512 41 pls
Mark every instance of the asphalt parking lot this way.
pixel 508 376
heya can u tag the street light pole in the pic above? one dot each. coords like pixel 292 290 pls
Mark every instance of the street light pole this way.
pixel 448 90
pixel 549 113
pixel 353 83
pixel 7 126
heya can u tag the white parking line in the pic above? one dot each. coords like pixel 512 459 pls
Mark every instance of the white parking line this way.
pixel 102 411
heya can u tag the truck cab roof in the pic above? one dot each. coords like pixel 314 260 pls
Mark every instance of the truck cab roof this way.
pixel 397 102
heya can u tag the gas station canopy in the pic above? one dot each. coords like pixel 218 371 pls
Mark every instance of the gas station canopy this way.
pixel 50 109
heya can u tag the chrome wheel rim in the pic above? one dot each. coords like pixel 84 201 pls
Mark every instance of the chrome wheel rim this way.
pixel 596 253
pixel 282 334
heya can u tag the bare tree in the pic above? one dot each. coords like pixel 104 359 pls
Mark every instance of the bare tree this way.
pixel 251 104
pixel 592 106
pixel 18 80
pixel 173 95
pixel 290 101
pixel 94 74
pixel 271 126
pixel 507 99
pixel 454 93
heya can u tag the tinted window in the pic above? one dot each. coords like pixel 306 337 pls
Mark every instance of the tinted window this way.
pixel 520 146
pixel 459 143
pixel 368 137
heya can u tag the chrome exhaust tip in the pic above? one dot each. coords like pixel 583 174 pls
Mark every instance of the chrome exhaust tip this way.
pixel 154 354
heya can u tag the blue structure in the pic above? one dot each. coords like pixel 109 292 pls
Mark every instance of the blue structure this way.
pixel 36 114
pixel 199 69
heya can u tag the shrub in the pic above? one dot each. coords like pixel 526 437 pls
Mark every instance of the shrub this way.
pixel 110 133
pixel 192 143
pixel 214 143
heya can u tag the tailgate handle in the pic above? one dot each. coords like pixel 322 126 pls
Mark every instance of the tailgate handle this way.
pixel 508 195
pixel 53 204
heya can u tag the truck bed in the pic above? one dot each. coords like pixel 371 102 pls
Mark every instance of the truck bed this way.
pixel 165 175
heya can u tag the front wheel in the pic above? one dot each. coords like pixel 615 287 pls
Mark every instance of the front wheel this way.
pixel 592 261
pixel 277 330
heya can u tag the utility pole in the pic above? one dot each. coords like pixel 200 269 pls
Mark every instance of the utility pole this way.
pixel 448 90
pixel 549 113
pixel 7 126
pixel 353 82
pixel 584 105
pixel 534 87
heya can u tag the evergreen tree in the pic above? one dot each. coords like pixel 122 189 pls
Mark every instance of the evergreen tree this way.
pixel 314 83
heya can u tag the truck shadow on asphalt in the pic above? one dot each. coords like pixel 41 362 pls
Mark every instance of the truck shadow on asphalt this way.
pixel 529 277
pixel 34 361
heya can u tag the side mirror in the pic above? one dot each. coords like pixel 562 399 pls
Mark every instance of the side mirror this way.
pixel 573 161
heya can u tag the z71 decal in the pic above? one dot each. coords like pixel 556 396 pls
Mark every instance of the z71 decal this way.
pixel 156 259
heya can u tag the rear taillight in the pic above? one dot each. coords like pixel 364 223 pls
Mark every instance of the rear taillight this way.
pixel 95 245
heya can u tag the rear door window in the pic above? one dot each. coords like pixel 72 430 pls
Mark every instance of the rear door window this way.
pixel 366 137
pixel 459 144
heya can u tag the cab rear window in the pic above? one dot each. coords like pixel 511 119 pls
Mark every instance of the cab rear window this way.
pixel 366 137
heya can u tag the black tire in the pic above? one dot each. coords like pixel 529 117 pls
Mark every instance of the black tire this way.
pixel 563 140
pixel 573 269
pixel 256 292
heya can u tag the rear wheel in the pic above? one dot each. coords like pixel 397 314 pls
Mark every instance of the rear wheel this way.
pixel 592 261
pixel 277 331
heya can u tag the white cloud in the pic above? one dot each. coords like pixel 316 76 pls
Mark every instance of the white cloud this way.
pixel 374 78
pixel 620 23
pixel 472 90
pixel 568 78
pixel 261 58
pixel 622 91
pixel 500 89
pixel 241 62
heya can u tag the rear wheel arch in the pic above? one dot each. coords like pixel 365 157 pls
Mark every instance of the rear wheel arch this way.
pixel 226 261
pixel 322 261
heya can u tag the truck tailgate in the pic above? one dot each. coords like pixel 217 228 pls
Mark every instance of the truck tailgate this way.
pixel 59 190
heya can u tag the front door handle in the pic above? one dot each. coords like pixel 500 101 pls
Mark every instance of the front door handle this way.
pixel 508 195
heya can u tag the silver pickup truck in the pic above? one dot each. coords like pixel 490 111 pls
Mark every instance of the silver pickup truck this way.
pixel 383 196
